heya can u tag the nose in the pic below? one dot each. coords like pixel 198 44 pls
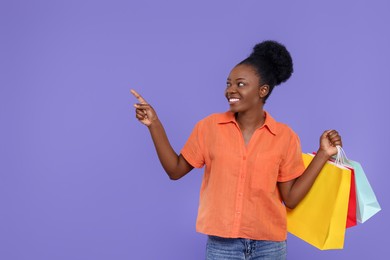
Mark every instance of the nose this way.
pixel 231 89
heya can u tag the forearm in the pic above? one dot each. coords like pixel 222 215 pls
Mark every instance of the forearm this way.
pixel 303 184
pixel 175 165
pixel 166 154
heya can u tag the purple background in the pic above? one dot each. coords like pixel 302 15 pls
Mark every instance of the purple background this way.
pixel 79 178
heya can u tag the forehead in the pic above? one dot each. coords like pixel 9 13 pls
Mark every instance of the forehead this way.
pixel 244 71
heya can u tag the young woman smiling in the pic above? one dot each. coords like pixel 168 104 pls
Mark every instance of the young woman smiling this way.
pixel 253 164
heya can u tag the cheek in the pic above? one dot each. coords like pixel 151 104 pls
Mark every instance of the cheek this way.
pixel 256 95
pixel 257 99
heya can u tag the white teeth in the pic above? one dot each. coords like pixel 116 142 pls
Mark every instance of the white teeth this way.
pixel 233 99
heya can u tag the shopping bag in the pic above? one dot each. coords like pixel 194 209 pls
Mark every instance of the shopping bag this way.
pixel 320 218
pixel 352 206
pixel 367 203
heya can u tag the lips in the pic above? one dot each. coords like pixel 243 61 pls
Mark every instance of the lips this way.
pixel 233 100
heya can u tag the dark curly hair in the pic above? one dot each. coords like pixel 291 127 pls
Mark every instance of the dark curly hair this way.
pixel 272 62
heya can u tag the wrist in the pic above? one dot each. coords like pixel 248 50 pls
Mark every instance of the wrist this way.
pixel 323 155
pixel 154 123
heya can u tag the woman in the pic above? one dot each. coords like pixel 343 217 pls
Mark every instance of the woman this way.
pixel 254 166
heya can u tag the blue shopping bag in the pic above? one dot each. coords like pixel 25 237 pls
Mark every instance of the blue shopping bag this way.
pixel 367 204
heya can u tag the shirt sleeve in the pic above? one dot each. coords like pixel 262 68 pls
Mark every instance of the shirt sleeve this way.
pixel 193 150
pixel 292 165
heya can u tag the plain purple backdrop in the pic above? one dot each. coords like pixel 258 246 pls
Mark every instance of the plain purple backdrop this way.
pixel 79 178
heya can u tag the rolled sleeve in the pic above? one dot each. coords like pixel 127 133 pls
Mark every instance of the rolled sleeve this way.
pixel 292 165
pixel 193 148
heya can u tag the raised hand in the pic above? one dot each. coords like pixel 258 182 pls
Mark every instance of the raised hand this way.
pixel 175 165
pixel 328 142
pixel 143 111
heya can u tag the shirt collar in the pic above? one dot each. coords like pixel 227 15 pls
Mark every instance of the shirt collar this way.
pixel 270 123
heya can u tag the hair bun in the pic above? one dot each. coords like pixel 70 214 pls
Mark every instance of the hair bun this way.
pixel 277 59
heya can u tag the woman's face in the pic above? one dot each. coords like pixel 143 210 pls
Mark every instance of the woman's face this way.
pixel 243 90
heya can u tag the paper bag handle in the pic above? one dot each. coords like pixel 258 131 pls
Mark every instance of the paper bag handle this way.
pixel 341 157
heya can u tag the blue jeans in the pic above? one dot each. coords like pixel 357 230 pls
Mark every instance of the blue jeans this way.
pixel 219 248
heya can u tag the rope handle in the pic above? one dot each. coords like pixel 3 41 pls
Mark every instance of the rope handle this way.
pixel 341 157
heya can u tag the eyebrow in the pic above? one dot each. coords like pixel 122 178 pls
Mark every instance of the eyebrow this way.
pixel 237 79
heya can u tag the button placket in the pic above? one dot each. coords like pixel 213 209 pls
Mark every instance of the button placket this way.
pixel 239 195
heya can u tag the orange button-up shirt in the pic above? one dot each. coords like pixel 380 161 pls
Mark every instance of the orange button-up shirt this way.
pixel 239 197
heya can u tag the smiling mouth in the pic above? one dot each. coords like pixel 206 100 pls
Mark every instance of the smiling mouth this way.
pixel 233 100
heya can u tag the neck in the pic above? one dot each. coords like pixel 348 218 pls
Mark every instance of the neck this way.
pixel 248 120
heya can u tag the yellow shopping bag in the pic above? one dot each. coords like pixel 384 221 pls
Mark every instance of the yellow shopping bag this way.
pixel 320 218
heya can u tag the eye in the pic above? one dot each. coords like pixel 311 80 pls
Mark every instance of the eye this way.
pixel 240 84
pixel 228 84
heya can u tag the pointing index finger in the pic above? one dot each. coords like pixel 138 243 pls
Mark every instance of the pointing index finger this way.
pixel 138 96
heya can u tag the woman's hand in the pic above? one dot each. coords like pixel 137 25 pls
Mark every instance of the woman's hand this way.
pixel 175 165
pixel 143 111
pixel 328 142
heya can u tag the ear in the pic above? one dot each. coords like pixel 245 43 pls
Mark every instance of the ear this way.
pixel 263 90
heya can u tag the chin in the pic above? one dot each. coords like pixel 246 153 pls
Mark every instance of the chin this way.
pixel 234 109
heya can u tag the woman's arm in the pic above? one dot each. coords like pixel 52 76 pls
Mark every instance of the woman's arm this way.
pixel 174 165
pixel 294 191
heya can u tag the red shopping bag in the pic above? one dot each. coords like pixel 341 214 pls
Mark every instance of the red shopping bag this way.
pixel 351 217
